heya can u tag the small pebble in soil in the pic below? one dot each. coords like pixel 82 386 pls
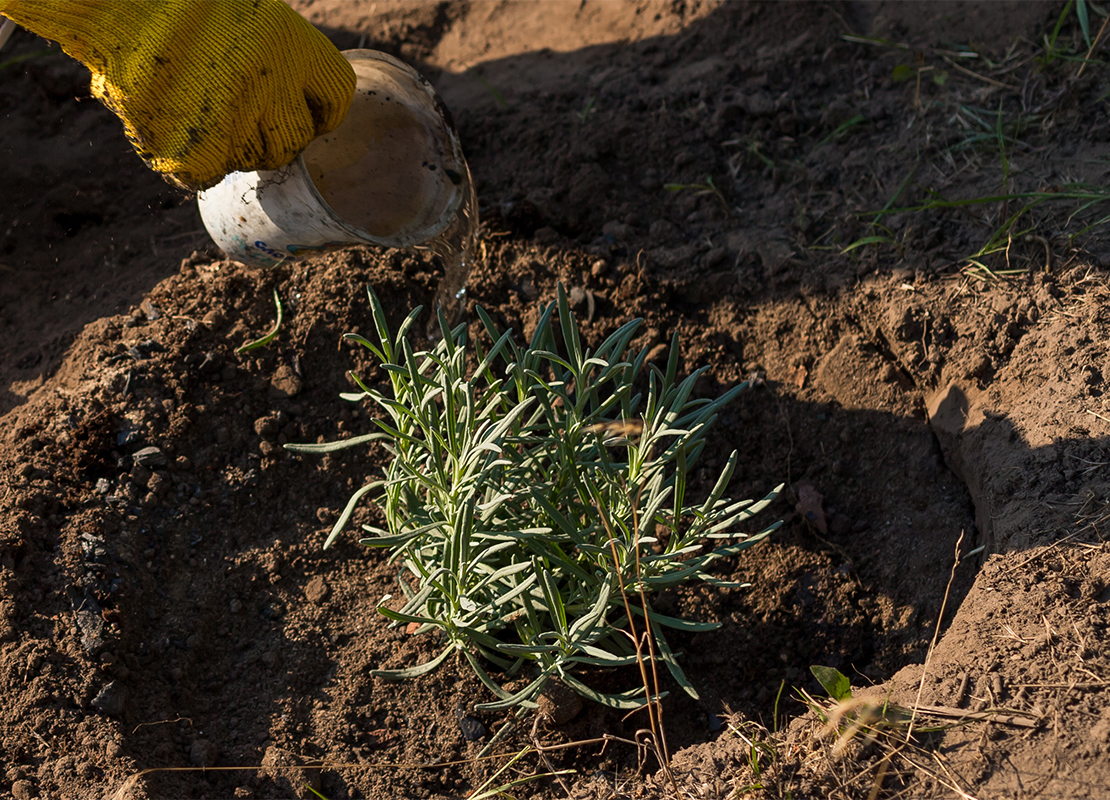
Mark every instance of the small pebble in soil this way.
pixel 24 790
pixel 559 703
pixel 111 699
pixel 149 457
pixel 472 729
pixel 285 383
pixel 316 590
pixel 715 256
pixel 140 474
pixel 267 426
pixel 158 483
pixel 214 319
pixel 90 624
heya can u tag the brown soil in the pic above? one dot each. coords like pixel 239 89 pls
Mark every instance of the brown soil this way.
pixel 177 610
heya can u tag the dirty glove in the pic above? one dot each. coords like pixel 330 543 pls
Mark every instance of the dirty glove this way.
pixel 204 87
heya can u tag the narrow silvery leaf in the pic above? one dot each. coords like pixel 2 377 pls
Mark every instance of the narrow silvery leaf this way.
pixel 521 698
pixel 615 345
pixel 669 659
pixel 341 523
pixel 413 672
pixel 332 447
pixel 626 701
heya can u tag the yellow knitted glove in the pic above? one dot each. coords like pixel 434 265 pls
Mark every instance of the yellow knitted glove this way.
pixel 204 87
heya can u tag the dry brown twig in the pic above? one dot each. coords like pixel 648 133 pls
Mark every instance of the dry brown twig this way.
pixel 654 707
pixel 936 636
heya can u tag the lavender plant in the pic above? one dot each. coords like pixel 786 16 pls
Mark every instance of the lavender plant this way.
pixel 527 499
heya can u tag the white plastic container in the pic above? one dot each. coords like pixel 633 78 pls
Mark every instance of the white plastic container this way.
pixel 392 174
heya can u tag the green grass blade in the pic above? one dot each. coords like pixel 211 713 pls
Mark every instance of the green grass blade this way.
pixel 269 337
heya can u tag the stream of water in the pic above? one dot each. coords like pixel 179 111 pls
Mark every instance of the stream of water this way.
pixel 455 246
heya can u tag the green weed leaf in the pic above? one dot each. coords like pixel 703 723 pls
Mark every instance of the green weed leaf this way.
pixel 903 73
pixel 833 681
pixel 269 337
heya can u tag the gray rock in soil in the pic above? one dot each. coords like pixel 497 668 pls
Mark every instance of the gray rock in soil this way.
pixel 149 457
pixel 111 699
pixel 472 729
pixel 89 619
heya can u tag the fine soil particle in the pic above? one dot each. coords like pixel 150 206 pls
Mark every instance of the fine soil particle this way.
pixel 932 393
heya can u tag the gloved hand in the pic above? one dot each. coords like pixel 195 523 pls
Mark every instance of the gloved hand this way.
pixel 204 87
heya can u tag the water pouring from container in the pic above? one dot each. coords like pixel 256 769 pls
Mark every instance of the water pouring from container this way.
pixel 392 174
